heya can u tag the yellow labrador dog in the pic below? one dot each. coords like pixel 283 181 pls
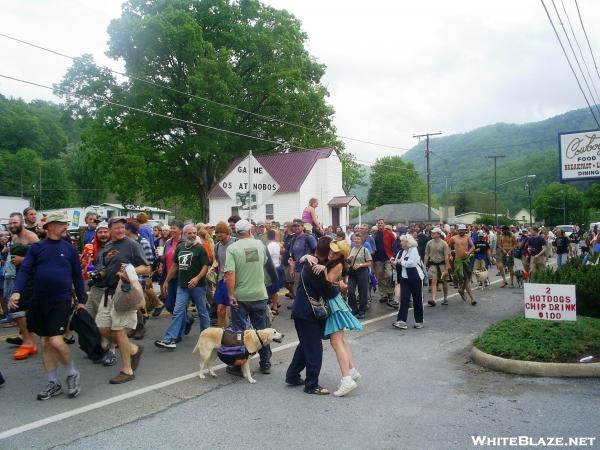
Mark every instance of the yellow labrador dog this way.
pixel 210 341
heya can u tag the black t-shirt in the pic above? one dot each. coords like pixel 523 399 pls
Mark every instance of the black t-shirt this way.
pixel 562 245
pixel 481 249
pixel 115 253
pixel 190 261
pixel 574 238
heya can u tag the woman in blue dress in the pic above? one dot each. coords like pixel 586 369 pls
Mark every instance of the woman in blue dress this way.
pixel 341 317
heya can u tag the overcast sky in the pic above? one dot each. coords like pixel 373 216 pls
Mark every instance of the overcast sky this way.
pixel 394 68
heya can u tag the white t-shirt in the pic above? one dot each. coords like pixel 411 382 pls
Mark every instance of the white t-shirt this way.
pixel 275 252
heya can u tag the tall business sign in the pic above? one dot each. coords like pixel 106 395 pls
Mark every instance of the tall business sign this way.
pixel 579 155
pixel 249 185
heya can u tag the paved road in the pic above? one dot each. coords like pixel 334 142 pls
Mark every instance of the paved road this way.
pixel 419 391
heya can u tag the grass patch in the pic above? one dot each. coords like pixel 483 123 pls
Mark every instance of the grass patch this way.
pixel 541 340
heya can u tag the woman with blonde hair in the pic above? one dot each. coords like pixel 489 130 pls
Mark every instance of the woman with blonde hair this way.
pixel 410 273
pixel 207 241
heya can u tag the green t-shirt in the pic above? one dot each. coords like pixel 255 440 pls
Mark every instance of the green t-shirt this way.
pixel 189 263
pixel 247 258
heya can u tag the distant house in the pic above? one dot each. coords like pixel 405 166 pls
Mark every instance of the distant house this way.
pixel 522 216
pixel 468 218
pixel 301 175
pixel 400 213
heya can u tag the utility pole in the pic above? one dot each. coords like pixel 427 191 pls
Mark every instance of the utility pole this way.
pixel 426 136
pixel 564 208
pixel 529 178
pixel 495 184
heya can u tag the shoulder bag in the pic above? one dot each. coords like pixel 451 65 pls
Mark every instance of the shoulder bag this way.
pixel 319 306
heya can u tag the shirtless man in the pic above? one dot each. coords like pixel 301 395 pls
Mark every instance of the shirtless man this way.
pixel 504 253
pixel 463 248
pixel 20 237
pixel 437 258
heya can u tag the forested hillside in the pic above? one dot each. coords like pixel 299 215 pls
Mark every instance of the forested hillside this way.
pixel 462 174
pixel 39 146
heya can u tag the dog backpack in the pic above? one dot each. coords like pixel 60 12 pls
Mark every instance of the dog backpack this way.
pixel 232 351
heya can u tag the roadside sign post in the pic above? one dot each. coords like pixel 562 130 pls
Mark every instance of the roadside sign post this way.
pixel 249 184
pixel 550 301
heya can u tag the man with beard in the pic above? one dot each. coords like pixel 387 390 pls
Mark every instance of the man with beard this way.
pixel 463 248
pixel 54 265
pixel 190 266
pixel 20 241
pixel 120 251
pixel 437 259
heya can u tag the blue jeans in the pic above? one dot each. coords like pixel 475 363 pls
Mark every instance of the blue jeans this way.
pixel 561 259
pixel 180 317
pixel 169 300
pixel 256 313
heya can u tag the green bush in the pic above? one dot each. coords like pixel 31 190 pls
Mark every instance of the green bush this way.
pixel 586 280
pixel 542 340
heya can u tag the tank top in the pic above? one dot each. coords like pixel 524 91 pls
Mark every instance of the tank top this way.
pixel 307 216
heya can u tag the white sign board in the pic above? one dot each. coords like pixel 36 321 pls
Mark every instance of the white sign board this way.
pixel 249 177
pixel 550 301
pixel 579 155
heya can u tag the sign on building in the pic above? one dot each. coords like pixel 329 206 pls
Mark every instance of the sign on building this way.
pixel 550 301
pixel 249 184
pixel 579 155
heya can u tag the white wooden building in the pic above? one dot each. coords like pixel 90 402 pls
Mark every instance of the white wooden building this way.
pixel 301 175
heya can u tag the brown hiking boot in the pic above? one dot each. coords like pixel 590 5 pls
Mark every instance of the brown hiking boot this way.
pixel 121 378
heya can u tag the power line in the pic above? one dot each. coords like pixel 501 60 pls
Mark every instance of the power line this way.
pixel 574 54
pixel 151 113
pixel 587 69
pixel 224 105
pixel 587 39
pixel 569 62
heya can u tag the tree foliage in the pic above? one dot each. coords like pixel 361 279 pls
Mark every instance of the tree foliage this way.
pixel 240 53
pixel 39 141
pixel 353 173
pixel 394 180
pixel 558 204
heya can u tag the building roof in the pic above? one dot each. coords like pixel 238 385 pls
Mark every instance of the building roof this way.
pixel 399 213
pixel 344 200
pixel 289 170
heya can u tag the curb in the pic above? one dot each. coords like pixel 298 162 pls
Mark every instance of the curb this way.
pixel 534 368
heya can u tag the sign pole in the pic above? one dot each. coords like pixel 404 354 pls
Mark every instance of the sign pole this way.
pixel 249 186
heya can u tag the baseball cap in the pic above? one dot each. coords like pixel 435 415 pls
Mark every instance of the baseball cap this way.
pixel 462 226
pixel 242 225
pixel 56 217
pixel 103 224
pixel 114 220
pixel 436 230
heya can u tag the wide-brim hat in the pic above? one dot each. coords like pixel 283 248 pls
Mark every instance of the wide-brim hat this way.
pixel 60 217
pixel 340 247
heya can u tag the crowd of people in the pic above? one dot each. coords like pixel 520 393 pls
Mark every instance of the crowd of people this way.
pixel 235 273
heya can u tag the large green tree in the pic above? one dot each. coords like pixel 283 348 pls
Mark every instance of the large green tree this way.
pixel 394 180
pixel 558 204
pixel 239 53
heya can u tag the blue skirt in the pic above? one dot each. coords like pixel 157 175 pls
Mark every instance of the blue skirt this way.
pixel 341 318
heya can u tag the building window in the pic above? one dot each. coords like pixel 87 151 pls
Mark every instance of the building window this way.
pixel 269 211
pixel 110 213
pixel 161 215
pixel 235 211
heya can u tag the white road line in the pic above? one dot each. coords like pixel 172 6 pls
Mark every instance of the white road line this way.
pixel 153 387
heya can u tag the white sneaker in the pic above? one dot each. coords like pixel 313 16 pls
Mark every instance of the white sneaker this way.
pixel 400 325
pixel 356 376
pixel 345 388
